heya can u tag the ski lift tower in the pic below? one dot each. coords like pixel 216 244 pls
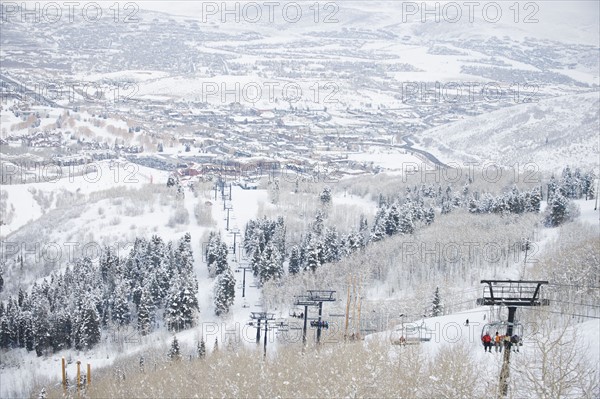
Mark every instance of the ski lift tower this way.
pixel 512 294
pixel 303 300
pixel 318 297
pixel 259 316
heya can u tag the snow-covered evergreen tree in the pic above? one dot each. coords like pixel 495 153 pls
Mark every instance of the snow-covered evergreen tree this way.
pixel 174 351
pixel 325 196
pixel 145 313
pixel 201 349
pixel 173 314
pixel 587 187
pixel 313 256
pixel 318 224
pixel 437 307
pixel 558 210
pixel 429 216
pixel 363 229
pixel 271 264
pixel 379 225
pixel 295 261
pixel 331 245
pixel 224 292
pixel 120 309
pixel 221 259
pixel 88 326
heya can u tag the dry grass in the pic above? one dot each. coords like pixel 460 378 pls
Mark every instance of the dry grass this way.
pixel 331 371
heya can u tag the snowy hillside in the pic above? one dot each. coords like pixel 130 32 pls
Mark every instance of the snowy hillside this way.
pixel 548 133
pixel 299 199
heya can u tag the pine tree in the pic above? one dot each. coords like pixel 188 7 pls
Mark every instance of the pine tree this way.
pixel 363 229
pixel 331 245
pixel 313 259
pixel 41 324
pixel 26 330
pixel 183 255
pixel 295 261
pixel 174 352
pixel 587 188
pixel 558 210
pixel 221 260
pixel 429 216
pixel 271 264
pixel 173 308
pixel 392 221
pixel 189 301
pixel 145 313
pixel 552 188
pixel 172 181
pixel 224 292
pixel 5 334
pixel 535 200
pixel 437 308
pixel 210 253
pixel 120 310
pixel 325 196
pixel 88 331
pixel 109 264
pixel 353 242
pixel 379 226
pixel 278 238
pixel 446 206
pixel 318 224
pixel 406 225
pixel 201 349
pixel 61 330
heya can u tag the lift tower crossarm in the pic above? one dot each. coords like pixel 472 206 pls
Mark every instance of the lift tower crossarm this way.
pixel 512 293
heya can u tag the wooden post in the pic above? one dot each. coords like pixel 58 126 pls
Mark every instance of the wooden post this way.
pixel 359 302
pixel 78 374
pixel 89 374
pixel 354 308
pixel 64 373
pixel 347 311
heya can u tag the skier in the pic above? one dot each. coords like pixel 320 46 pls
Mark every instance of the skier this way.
pixel 467 322
pixel 487 343
pixel 497 342
pixel 514 340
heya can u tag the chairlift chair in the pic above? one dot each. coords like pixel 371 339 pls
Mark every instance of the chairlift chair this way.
pixel 501 327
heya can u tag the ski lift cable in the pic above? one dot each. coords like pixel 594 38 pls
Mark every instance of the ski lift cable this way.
pixel 566 314
pixel 576 303
pixel 573 285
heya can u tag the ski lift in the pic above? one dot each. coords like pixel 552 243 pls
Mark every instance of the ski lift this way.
pixel 496 324
pixel 409 334
pixel 501 327
pixel 296 313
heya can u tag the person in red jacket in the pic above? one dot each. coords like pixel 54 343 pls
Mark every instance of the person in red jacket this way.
pixel 487 342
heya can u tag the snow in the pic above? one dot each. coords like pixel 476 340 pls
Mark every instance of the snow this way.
pixel 541 134
pixel 389 159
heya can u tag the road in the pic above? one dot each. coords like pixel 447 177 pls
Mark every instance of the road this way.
pixel 20 88
pixel 409 146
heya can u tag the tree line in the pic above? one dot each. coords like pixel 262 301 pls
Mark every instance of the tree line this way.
pixel 153 285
